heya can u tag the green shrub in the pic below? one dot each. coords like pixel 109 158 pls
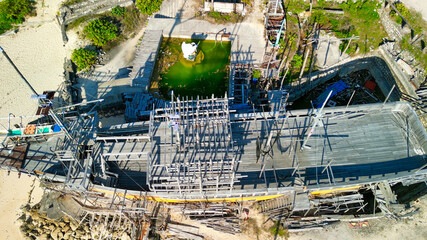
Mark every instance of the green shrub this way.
pixel 148 6
pixel 297 61
pixel 256 74
pixel 118 11
pixel 100 31
pixel 84 58
pixel 13 12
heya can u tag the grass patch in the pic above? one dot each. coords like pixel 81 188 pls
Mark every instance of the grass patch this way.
pixel 70 2
pixel 79 21
pixel 364 17
pixel 218 17
pixel 414 18
pixel 251 228
pixel 296 6
pixel 278 230
pixel 360 18
pixel 414 50
pixel 129 19
pixel 418 24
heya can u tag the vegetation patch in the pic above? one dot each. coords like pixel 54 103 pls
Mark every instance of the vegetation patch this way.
pixel 14 12
pixel 100 31
pixel 218 17
pixel 118 11
pixel 414 18
pixel 418 24
pixel 84 58
pixel 70 2
pixel 360 18
pixel 110 28
pixel 278 230
pixel 148 6
pixel 419 56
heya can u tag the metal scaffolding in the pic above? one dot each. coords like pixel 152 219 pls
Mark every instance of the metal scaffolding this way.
pixel 195 152
pixel 274 21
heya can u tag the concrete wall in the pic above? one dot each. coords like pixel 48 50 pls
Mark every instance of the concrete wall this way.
pixel 223 7
pixel 89 7
pixel 376 66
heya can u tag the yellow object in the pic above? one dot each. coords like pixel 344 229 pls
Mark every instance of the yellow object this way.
pixel 324 192
pixel 159 199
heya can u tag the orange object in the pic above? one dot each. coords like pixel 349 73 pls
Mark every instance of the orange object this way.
pixel 30 129
pixel 358 224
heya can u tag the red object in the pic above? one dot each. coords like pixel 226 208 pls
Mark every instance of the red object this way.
pixel 370 85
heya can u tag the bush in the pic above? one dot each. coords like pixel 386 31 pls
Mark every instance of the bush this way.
pixel 256 74
pixel 118 11
pixel 148 6
pixel 84 58
pixel 13 12
pixel 100 31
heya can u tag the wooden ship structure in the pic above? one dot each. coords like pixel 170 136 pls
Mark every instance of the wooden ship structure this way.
pixel 204 158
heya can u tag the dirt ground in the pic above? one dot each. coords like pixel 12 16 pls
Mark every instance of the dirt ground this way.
pixel 414 228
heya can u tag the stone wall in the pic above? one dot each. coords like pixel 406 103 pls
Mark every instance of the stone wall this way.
pixel 72 12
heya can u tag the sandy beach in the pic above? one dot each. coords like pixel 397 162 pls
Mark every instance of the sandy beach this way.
pixel 38 52
pixel 15 193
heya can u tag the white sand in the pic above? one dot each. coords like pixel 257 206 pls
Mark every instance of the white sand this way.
pixel 14 193
pixel 417 5
pixel 38 52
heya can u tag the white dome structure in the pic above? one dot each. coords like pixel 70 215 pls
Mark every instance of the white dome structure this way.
pixel 189 50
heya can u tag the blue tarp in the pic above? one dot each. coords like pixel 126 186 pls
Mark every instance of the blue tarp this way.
pixel 336 88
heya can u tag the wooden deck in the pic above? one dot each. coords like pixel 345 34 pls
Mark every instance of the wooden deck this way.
pixel 355 145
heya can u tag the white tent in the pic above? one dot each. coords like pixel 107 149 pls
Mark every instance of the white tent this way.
pixel 189 50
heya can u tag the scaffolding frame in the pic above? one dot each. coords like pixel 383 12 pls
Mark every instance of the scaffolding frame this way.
pixel 196 153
